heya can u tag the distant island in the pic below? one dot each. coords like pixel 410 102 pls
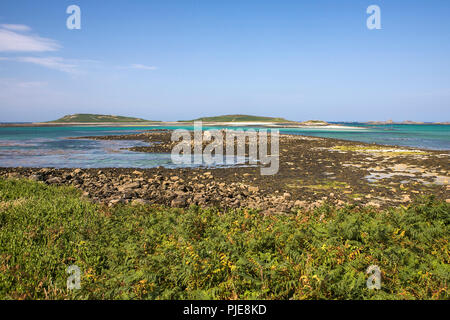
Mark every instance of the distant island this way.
pixel 403 122
pixel 240 118
pixel 230 119
pixel 314 123
pixel 96 118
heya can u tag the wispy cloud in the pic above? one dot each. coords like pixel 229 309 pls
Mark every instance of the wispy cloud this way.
pixel 11 83
pixel 15 27
pixel 142 67
pixel 17 38
pixel 32 84
pixel 56 63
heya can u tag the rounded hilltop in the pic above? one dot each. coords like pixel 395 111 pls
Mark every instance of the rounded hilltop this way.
pixel 240 118
pixel 315 123
pixel 250 119
pixel 95 118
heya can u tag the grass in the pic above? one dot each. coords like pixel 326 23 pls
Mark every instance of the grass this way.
pixel 150 252
pixel 87 117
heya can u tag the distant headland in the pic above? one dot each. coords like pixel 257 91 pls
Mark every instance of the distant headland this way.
pixel 95 118
pixel 116 120
pixel 403 122
pixel 240 118
pixel 91 119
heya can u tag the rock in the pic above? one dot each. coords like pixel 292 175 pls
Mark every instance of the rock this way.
pixel 54 180
pixel 36 177
pixel 316 204
pixel 139 173
pixel 198 197
pixel 300 204
pixel 287 195
pixel 115 201
pixel 76 171
pixel 128 194
pixel 137 202
pixel 178 202
pixel 253 189
pixel 129 186
pixel 406 198
pixel 372 204
pixel 67 176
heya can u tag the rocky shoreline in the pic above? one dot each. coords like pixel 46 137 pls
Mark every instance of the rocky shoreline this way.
pixel 312 171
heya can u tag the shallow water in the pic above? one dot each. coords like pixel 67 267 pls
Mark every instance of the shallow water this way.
pixel 436 137
pixel 51 146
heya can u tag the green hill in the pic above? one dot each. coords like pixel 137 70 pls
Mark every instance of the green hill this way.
pixel 240 118
pixel 315 123
pixel 87 117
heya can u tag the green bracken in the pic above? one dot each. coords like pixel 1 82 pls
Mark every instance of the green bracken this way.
pixel 153 252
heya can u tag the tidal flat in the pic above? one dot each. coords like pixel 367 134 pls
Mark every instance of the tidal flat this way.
pixel 312 171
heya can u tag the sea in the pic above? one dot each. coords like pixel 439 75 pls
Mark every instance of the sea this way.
pixel 53 146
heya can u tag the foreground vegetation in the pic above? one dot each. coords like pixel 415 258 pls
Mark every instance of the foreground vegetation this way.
pixel 149 252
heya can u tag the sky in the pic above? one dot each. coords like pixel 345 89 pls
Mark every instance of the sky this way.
pixel 178 60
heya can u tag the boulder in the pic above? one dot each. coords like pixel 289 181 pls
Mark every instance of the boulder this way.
pixel 129 186
pixel 115 201
pixel 137 202
pixel 54 180
pixel 179 202
pixel 36 177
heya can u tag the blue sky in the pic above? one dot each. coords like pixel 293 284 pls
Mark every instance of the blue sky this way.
pixel 173 60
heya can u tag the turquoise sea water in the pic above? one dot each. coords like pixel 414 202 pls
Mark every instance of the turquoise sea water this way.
pixel 51 146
